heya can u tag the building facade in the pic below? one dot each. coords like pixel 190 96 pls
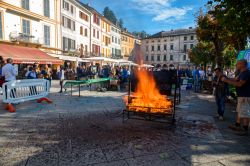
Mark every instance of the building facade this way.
pixel 115 42
pixel 32 23
pixel 75 23
pixel 127 44
pixel 169 47
pixel 106 35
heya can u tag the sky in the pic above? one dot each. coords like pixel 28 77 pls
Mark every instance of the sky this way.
pixel 152 16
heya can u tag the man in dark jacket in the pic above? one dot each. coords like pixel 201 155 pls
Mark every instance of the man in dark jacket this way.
pixel 220 92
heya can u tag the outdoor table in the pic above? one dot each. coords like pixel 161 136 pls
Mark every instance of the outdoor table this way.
pixel 89 82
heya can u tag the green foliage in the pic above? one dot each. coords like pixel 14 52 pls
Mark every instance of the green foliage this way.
pixel 234 16
pixel 229 56
pixel 120 23
pixel 202 53
pixel 110 15
pixel 142 34
pixel 210 31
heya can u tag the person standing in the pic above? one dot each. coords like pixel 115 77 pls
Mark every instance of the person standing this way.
pixel 242 84
pixel 196 78
pixel 2 80
pixel 9 73
pixel 61 77
pixel 220 92
pixel 32 75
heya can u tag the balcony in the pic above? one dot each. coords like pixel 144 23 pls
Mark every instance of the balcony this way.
pixel 21 37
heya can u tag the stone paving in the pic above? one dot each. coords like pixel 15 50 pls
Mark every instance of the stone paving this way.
pixel 88 130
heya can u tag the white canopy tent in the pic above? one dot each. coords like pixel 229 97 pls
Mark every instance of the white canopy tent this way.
pixel 71 58
pixel 102 59
pixel 126 62
pixel 147 66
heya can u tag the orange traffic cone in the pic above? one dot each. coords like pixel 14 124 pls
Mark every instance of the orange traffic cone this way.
pixel 44 99
pixel 10 108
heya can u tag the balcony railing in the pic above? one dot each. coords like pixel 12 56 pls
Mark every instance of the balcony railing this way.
pixel 22 37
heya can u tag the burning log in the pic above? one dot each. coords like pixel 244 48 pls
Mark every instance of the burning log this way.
pixel 147 99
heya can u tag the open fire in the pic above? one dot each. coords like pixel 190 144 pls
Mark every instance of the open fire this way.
pixel 147 97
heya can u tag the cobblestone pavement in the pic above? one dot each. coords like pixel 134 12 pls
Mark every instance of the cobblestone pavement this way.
pixel 88 130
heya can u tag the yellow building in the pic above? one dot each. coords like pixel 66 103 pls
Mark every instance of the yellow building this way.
pixel 127 44
pixel 106 35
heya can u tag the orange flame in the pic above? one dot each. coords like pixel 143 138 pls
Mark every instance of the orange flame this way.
pixel 147 97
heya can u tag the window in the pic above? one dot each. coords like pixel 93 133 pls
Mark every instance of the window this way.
pixel 165 58
pixel 1 26
pixel 152 48
pixel 97 34
pixel 95 49
pixel 83 16
pixel 171 57
pixel 185 38
pixel 119 41
pixel 146 58
pixel 86 48
pixel 72 9
pixel 165 47
pixel 26 27
pixel 184 57
pixel 46 35
pixel 68 23
pixel 158 58
pixel 171 47
pixel 146 48
pixel 46 8
pixel 165 40
pixel 81 30
pixel 86 32
pixel 68 44
pixel 191 46
pixel 66 5
pixel 159 41
pixel 26 4
pixel 152 58
pixel 93 32
pixel 192 38
pixel 96 19
pixel 112 39
pixel 146 41
pixel 116 40
pixel 185 48
pixel 159 48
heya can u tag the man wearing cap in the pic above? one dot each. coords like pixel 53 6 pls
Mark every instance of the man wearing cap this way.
pixel 242 84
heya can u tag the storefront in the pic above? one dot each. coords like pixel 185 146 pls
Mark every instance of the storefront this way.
pixel 25 56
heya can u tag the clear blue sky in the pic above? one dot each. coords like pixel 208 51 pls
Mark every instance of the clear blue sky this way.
pixel 152 15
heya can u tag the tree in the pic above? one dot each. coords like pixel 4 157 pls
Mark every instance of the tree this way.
pixel 120 23
pixel 234 16
pixel 142 34
pixel 202 53
pixel 109 14
pixel 209 30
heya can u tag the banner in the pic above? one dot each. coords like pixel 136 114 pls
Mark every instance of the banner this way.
pixel 245 54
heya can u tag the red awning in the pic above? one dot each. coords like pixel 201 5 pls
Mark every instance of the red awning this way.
pixel 26 55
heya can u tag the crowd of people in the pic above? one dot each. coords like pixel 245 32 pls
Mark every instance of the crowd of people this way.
pixel 220 80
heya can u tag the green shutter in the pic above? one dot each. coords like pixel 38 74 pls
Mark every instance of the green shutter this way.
pixel 46 8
